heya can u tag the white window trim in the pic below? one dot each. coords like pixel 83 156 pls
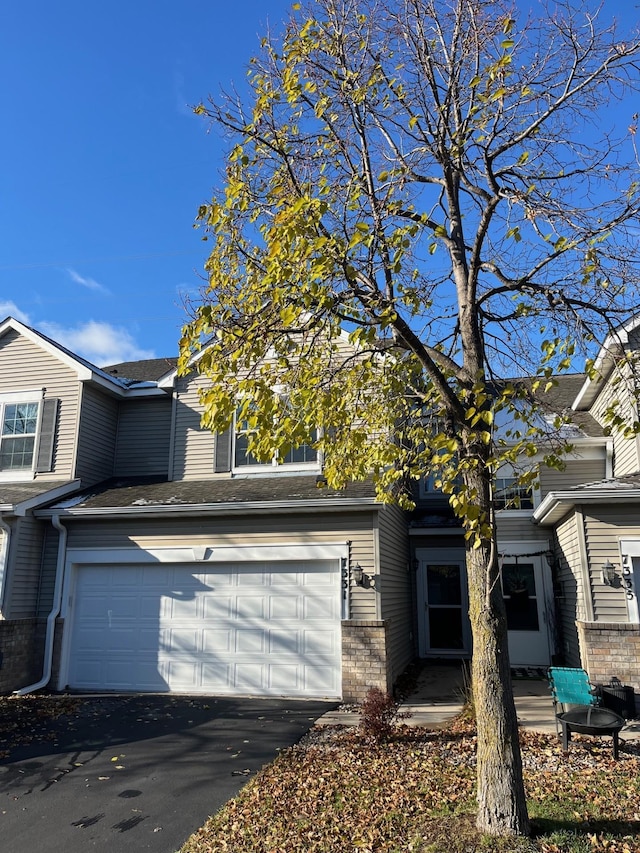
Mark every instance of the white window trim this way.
pixel 24 474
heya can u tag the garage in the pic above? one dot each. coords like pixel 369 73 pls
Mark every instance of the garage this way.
pixel 250 627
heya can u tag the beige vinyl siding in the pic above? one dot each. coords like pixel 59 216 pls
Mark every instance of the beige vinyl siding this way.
pixel 576 473
pixel 193 446
pixel 25 366
pixel 395 590
pixel 625 450
pixel 570 605
pixel 143 438
pixel 26 563
pixel 516 526
pixel 96 436
pixel 286 529
pixel 604 527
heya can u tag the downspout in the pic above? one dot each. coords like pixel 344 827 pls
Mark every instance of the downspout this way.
pixel 53 615
pixel 4 557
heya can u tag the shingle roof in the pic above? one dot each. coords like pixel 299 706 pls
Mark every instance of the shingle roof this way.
pixel 16 493
pixel 614 484
pixel 559 398
pixel 149 492
pixel 146 370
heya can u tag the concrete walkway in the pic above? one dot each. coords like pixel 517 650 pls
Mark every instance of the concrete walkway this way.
pixel 439 696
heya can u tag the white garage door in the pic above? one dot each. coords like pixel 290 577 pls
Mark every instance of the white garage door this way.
pixel 233 628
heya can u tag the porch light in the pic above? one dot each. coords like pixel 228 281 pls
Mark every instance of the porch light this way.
pixel 608 573
pixel 357 574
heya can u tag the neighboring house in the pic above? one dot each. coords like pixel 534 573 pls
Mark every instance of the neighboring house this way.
pixel 140 552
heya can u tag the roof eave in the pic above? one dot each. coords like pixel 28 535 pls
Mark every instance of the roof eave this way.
pixel 262 507
pixel 557 504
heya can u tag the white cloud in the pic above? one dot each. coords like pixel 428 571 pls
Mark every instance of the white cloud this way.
pixel 99 343
pixel 10 309
pixel 89 283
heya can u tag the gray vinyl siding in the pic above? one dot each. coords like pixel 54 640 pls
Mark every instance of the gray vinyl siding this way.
pixel 605 526
pixel 48 575
pixel 570 602
pixel 395 593
pixel 286 529
pixel 26 563
pixel 143 438
pixel 625 450
pixel 575 473
pixel 25 366
pixel 193 446
pixel 96 436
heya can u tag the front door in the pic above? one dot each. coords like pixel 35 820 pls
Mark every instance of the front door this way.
pixel 528 611
pixel 443 621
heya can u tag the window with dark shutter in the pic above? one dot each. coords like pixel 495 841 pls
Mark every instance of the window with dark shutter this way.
pixel 222 452
pixel 46 442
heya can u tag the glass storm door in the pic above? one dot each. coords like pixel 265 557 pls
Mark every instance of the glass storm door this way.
pixel 444 622
pixel 524 601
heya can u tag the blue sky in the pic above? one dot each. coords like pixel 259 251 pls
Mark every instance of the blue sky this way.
pixel 104 165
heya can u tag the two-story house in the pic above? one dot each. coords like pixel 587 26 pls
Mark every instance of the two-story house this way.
pixel 140 552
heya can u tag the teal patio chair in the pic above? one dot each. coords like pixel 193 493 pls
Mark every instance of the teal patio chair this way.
pixel 571 687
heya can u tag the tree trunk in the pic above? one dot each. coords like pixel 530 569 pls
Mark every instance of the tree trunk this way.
pixel 502 808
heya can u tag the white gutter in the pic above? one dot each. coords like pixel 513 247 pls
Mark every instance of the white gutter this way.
pixel 53 615
pixel 4 556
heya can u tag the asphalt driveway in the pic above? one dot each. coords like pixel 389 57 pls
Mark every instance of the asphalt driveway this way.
pixel 131 773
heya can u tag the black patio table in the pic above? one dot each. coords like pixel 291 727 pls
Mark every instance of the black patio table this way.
pixel 590 720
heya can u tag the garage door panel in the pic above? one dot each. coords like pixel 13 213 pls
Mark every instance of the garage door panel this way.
pixel 285 607
pixel 249 677
pixel 284 642
pixel 218 676
pixel 318 643
pixel 215 607
pixel 283 677
pixel 217 640
pixel 250 641
pixel 238 628
pixel 319 607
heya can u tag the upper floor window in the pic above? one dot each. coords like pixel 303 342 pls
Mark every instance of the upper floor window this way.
pixel 27 434
pixel 510 494
pixel 305 456
pixel 19 427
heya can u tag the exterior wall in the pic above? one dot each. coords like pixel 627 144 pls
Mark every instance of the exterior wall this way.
pixel 193 447
pixel 23 577
pixel 611 649
pixel 24 366
pixel 365 659
pixel 518 525
pixel 605 526
pixel 626 458
pixel 395 588
pixel 21 650
pixel 570 591
pixel 575 473
pixel 144 437
pixel 96 436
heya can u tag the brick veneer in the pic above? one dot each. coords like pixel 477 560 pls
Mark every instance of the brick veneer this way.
pixel 21 647
pixel 611 649
pixel 364 658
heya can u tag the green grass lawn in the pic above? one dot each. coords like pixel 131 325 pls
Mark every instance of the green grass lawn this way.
pixel 338 793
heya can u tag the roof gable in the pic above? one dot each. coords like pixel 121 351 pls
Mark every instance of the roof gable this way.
pixel 84 370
